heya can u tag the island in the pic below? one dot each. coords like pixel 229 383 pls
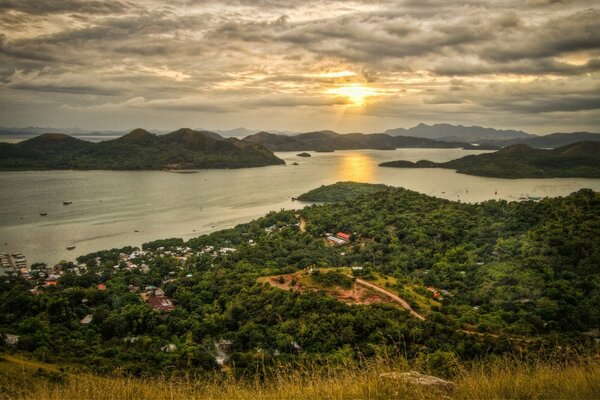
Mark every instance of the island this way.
pixel 577 160
pixel 184 149
pixel 329 141
pixel 304 154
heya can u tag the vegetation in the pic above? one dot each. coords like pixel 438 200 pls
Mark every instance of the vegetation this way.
pixel 459 133
pixel 328 141
pixel 515 279
pixel 520 161
pixel 341 191
pixel 138 150
pixel 23 379
pixel 332 278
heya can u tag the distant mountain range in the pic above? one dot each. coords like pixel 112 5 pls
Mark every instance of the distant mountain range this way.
pixel 580 159
pixel 138 150
pixel 551 141
pixel 243 132
pixel 421 135
pixel 36 131
pixel 458 133
pixel 329 141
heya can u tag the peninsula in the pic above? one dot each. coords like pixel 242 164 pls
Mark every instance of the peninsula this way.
pixel 577 160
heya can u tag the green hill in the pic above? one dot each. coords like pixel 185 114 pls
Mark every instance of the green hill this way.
pixel 329 140
pixel 493 280
pixel 138 150
pixel 341 191
pixel 580 160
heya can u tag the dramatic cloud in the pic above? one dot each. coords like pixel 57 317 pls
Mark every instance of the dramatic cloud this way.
pixel 344 65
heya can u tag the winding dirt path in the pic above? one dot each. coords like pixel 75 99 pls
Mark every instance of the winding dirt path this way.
pixel 302 225
pixel 392 296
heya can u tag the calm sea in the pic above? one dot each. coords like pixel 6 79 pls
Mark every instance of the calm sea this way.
pixel 115 209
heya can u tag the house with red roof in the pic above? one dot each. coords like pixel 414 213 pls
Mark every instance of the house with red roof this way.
pixel 343 236
pixel 101 287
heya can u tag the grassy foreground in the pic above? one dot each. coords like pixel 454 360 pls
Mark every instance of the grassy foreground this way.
pixel 25 379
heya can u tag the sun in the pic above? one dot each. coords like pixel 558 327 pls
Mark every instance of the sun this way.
pixel 357 93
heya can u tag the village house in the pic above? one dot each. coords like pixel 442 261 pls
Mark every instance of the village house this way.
pixel 161 303
pixel 338 239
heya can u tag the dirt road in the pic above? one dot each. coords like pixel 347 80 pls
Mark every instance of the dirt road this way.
pixel 302 225
pixel 392 296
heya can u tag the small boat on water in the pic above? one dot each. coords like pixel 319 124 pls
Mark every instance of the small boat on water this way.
pixel 70 247
pixel 43 214
pixel 67 202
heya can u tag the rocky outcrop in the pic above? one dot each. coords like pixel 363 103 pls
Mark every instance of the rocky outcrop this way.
pixel 416 378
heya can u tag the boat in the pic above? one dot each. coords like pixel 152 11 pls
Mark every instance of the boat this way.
pixel 67 202
pixel 70 247
pixel 43 214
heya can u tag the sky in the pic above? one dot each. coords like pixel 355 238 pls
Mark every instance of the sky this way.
pixel 350 66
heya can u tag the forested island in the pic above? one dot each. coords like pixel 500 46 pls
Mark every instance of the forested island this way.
pixel 577 160
pixel 328 141
pixel 409 276
pixel 138 150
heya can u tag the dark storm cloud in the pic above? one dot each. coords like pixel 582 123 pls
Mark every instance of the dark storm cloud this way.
pixel 579 31
pixel 542 66
pixel 68 89
pixel 42 7
pixel 375 38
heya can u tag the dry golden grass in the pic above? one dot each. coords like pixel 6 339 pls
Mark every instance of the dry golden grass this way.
pixel 507 380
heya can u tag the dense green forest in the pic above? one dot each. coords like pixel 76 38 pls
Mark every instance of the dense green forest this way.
pixel 518 278
pixel 340 191
pixel 580 159
pixel 138 150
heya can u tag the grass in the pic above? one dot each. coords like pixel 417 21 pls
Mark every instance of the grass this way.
pixel 21 379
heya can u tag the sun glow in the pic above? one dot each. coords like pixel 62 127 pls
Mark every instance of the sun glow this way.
pixel 356 93
pixel 355 167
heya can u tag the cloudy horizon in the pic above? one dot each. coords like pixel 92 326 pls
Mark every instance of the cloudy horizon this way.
pixel 343 65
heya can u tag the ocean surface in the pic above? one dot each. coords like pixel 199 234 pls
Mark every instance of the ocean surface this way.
pixel 115 209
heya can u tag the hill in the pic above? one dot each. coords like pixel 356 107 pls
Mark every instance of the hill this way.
pixel 458 133
pixel 340 191
pixel 494 279
pixel 550 141
pixel 139 149
pixel 580 159
pixel 561 139
pixel 329 140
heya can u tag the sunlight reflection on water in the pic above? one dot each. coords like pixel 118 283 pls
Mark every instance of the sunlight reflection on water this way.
pixel 355 167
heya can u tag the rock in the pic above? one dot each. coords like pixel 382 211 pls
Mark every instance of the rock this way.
pixel 416 378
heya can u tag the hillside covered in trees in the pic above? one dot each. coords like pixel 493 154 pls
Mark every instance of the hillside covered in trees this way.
pixel 329 141
pixel 518 278
pixel 138 150
pixel 578 160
